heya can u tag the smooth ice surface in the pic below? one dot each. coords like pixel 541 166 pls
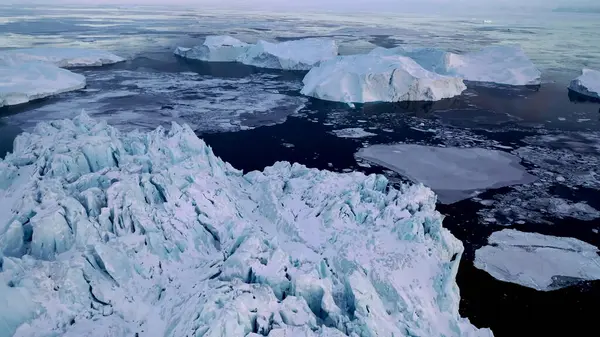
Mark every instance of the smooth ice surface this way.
pixel 112 234
pixel 588 84
pixel 537 261
pixel 352 133
pixel 216 48
pixel 290 55
pixel 376 78
pixel 62 57
pixel 452 173
pixel 23 82
pixel 495 64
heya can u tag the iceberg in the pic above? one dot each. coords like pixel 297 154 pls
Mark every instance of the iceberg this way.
pixel 454 174
pixel 537 261
pixel 216 48
pixel 61 57
pixel 290 55
pixel 151 234
pixel 588 84
pixel 501 64
pixel 372 78
pixel 23 82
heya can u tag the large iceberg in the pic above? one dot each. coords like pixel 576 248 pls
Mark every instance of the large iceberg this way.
pixel 216 48
pixel 374 78
pixel 501 64
pixel 588 84
pixel 537 261
pixel 61 57
pixel 23 82
pixel 290 55
pixel 453 173
pixel 150 234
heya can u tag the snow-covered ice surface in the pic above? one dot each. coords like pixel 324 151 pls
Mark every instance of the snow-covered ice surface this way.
pixel 24 82
pixel 538 261
pixel 151 234
pixel 495 64
pixel 453 173
pixel 216 48
pixel 352 133
pixel 375 78
pixel 61 57
pixel 588 84
pixel 300 54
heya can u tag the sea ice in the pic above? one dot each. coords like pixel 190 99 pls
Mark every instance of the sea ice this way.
pixel 152 234
pixel 290 55
pixel 216 48
pixel 588 84
pixel 373 78
pixel 353 133
pixel 23 82
pixel 452 173
pixel 61 57
pixel 495 64
pixel 537 261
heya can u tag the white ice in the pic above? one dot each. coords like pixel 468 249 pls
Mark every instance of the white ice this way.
pixel 23 82
pixel 452 173
pixel 501 64
pixel 588 84
pixel 375 78
pixel 61 57
pixel 290 55
pixel 117 234
pixel 537 261
pixel 216 48
pixel 352 133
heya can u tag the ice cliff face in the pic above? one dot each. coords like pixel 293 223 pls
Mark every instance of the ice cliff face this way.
pixel 588 84
pixel 150 234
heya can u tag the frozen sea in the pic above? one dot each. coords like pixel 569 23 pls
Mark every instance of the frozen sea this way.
pixel 253 117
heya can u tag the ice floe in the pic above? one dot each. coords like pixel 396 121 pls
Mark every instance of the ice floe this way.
pixel 453 173
pixel 374 78
pixel 216 48
pixel 150 233
pixel 588 84
pixel 61 57
pixel 352 133
pixel 300 54
pixel 538 261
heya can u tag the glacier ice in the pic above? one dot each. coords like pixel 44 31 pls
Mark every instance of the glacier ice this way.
pixel 375 78
pixel 537 261
pixel 61 57
pixel 453 173
pixel 501 64
pixel 588 84
pixel 300 54
pixel 149 233
pixel 216 48
pixel 23 82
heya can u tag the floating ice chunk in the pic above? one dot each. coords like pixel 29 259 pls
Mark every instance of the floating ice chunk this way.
pixel 374 78
pixel 216 48
pixel 537 261
pixel 24 82
pixel 353 133
pixel 61 57
pixel 290 55
pixel 588 84
pixel 495 64
pixel 453 173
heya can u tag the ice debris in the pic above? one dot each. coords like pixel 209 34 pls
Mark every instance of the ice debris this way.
pixel 216 48
pixel 588 84
pixel 61 57
pixel 453 173
pixel 353 133
pixel 300 54
pixel 537 261
pixel 373 78
pixel 151 234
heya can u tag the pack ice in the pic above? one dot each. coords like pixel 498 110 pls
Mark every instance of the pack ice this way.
pixel 150 234
pixel 588 84
pixel 62 57
pixel 501 64
pixel 290 55
pixel 453 173
pixel 537 261
pixel 375 78
pixel 216 48
pixel 23 82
